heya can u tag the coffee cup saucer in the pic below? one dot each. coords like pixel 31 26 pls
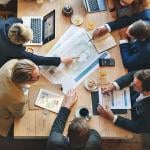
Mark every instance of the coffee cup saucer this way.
pixel 77 114
pixel 94 84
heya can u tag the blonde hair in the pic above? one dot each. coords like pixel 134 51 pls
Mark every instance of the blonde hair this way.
pixel 20 34
pixel 22 71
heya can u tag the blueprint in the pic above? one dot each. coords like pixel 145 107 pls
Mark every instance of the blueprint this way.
pixel 75 45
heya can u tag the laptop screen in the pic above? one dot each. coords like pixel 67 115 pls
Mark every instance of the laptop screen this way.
pixel 49 27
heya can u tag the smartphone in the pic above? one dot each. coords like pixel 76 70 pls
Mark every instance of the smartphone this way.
pixel 106 62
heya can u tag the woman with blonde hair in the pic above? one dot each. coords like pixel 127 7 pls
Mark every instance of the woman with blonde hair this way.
pixel 13 35
pixel 15 75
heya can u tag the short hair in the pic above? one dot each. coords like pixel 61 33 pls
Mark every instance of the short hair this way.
pixel 20 34
pixel 22 71
pixel 78 132
pixel 144 77
pixel 140 29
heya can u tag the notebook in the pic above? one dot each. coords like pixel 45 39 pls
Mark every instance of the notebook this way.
pixel 43 28
pixel 94 5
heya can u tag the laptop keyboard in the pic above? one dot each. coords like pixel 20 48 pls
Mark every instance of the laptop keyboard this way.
pixel 36 27
pixel 96 5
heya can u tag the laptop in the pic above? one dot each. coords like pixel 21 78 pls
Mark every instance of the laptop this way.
pixel 43 28
pixel 94 5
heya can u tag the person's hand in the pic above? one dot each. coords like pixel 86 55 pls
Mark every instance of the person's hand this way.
pixel 70 99
pixel 66 60
pixel 110 88
pixel 106 113
pixel 100 31
pixel 122 33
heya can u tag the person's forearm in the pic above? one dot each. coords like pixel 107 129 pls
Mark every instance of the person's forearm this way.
pixel 60 120
pixel 40 60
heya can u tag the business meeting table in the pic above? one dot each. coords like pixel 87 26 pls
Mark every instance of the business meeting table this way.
pixel 36 123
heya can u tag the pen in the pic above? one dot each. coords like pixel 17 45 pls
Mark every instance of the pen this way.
pixel 75 57
pixel 90 40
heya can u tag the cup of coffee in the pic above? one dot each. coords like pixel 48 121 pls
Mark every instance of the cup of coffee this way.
pixel 84 113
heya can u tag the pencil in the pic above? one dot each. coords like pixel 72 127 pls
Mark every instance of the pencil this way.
pixel 90 40
pixel 75 57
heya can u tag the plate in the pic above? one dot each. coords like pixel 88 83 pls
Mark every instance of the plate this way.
pixel 90 84
pixel 77 20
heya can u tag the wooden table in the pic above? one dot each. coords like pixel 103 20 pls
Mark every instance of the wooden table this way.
pixel 37 123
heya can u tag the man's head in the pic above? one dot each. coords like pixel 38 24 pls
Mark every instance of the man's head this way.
pixel 139 30
pixel 20 34
pixel 78 133
pixel 142 81
pixel 25 72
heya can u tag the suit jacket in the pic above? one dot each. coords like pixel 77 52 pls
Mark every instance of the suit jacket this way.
pixel 8 50
pixel 135 55
pixel 140 122
pixel 56 140
pixel 12 99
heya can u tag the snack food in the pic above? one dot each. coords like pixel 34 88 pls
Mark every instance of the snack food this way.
pixel 90 84
pixel 77 20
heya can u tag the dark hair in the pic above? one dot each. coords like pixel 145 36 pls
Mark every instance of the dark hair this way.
pixel 78 132
pixel 144 77
pixel 140 30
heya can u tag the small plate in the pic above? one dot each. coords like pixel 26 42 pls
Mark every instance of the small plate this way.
pixel 77 20
pixel 90 84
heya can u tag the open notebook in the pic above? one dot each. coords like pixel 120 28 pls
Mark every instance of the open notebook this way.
pixel 103 43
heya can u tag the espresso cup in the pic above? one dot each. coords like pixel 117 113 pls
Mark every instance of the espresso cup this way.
pixel 84 113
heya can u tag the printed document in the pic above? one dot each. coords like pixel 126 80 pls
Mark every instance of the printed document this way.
pixel 77 44
pixel 119 99
pixel 49 100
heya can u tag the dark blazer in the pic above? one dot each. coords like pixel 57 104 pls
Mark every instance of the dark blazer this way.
pixel 8 50
pixel 56 140
pixel 135 55
pixel 140 122
pixel 126 20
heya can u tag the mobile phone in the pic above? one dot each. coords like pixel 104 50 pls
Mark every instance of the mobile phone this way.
pixel 107 62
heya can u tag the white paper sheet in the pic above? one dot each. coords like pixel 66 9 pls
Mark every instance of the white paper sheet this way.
pixel 119 99
pixel 75 45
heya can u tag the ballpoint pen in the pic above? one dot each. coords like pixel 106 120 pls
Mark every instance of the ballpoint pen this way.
pixel 75 57
pixel 90 40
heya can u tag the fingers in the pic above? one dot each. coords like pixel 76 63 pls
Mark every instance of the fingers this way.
pixel 96 33
pixel 105 91
pixel 100 109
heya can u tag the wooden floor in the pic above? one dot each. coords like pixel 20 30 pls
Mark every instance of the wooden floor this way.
pixel 138 142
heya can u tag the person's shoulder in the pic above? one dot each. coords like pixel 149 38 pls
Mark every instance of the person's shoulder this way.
pixel 12 20
pixel 9 64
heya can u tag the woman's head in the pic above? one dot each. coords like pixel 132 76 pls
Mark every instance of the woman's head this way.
pixel 20 34
pixel 25 72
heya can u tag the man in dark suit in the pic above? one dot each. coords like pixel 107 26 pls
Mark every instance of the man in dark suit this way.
pixel 140 122
pixel 135 53
pixel 79 137
pixel 13 34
